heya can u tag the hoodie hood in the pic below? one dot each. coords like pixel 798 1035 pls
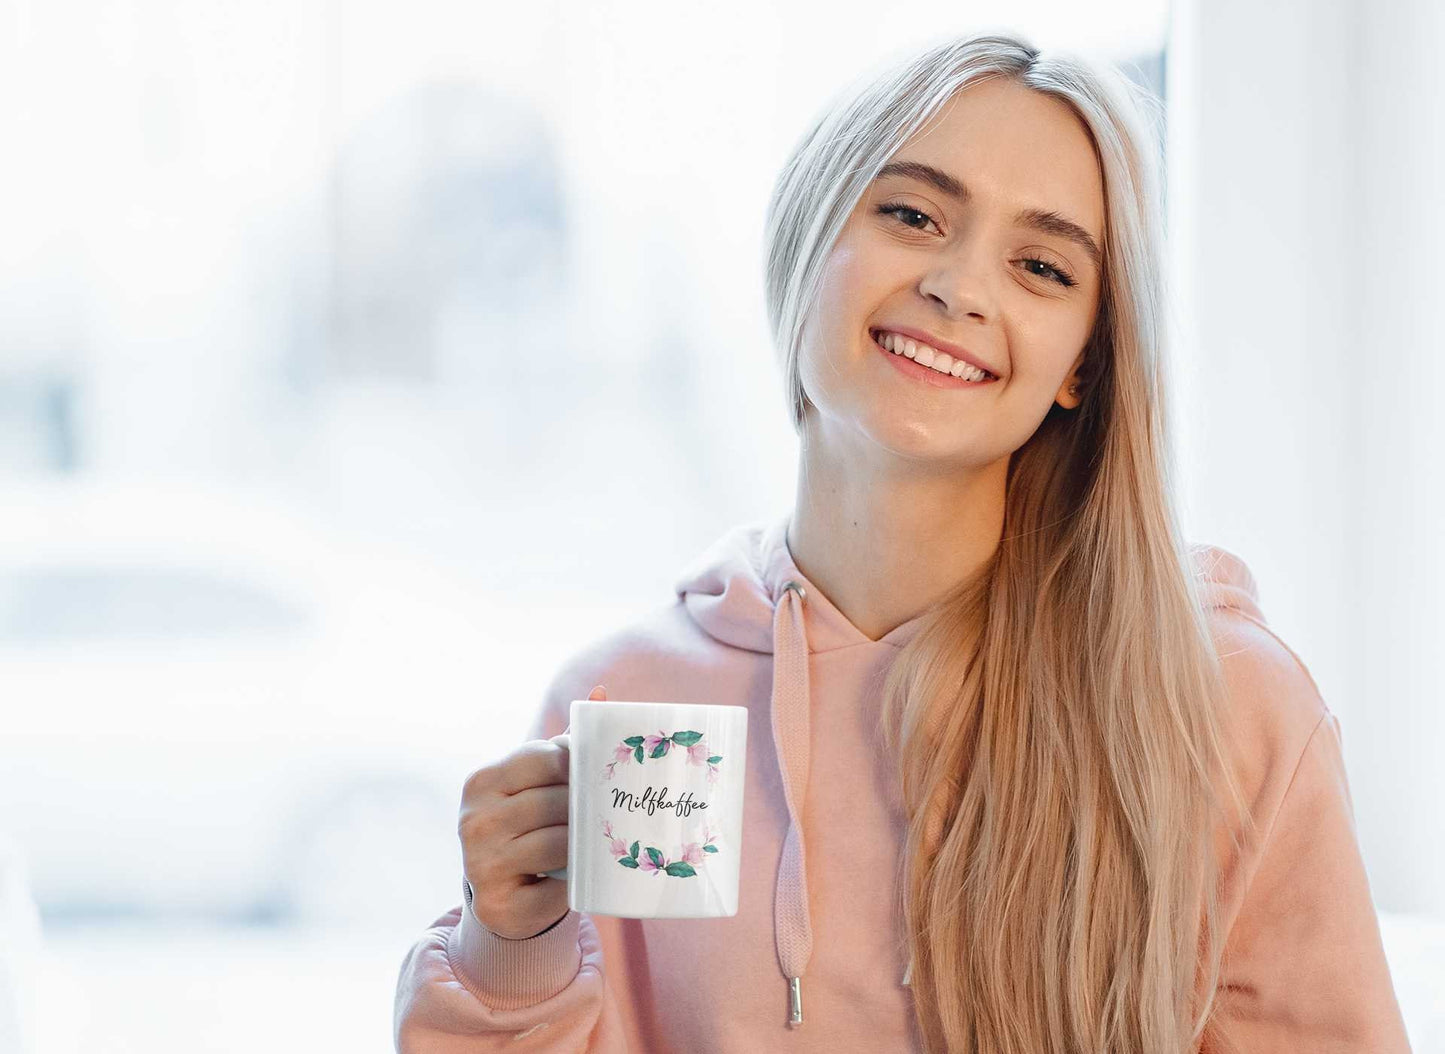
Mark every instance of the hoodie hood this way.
pixel 744 590
pixel 733 588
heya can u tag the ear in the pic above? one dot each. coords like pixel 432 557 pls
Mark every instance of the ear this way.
pixel 1070 399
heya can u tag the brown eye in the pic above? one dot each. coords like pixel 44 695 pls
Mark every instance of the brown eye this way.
pixel 900 211
pixel 1059 274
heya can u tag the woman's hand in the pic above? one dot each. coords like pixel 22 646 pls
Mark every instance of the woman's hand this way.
pixel 513 827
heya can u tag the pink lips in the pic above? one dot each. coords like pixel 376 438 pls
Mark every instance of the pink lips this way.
pixel 927 374
pixel 920 337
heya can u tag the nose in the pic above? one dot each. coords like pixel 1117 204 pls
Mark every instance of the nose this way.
pixel 959 282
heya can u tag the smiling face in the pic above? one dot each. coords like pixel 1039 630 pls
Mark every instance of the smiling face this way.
pixel 955 257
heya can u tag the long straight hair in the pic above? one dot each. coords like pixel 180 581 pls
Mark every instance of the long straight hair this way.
pixel 1057 720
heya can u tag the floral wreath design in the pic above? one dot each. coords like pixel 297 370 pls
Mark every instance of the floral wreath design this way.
pixel 657 746
pixel 688 860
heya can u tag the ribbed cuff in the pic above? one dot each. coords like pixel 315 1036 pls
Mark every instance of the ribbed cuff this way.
pixel 510 974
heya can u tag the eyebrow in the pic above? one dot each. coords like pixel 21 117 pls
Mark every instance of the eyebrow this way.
pixel 1045 220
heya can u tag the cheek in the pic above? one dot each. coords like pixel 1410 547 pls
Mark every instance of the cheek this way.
pixel 838 289
pixel 1048 349
pixel 854 282
pixel 829 319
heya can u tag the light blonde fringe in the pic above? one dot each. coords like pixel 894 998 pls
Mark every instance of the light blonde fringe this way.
pixel 1058 721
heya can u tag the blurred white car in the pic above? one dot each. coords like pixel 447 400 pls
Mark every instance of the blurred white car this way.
pixel 212 704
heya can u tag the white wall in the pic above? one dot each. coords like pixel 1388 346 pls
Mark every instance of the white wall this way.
pixel 1305 162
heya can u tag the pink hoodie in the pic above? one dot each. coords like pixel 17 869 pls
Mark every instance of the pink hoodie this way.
pixel 1304 970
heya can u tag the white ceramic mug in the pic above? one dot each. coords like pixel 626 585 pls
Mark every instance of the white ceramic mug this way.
pixel 655 808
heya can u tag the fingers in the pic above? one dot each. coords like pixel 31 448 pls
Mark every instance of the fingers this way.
pixel 543 849
pixel 536 763
pixel 496 867
pixel 513 828
pixel 534 808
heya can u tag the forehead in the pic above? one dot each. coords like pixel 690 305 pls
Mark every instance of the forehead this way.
pixel 1014 147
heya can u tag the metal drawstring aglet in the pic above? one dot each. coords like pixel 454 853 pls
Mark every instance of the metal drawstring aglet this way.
pixel 795 1000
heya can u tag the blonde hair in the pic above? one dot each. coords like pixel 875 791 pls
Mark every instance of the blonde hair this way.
pixel 1057 720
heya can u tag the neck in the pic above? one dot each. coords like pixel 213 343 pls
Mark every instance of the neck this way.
pixel 886 538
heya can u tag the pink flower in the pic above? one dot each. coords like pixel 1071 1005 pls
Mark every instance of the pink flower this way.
pixel 697 754
pixel 651 742
pixel 622 752
pixel 692 854
pixel 712 773
pixel 618 846
pixel 708 834
pixel 644 863
pixel 607 772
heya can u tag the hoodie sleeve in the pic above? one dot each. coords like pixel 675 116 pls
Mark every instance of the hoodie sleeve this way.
pixel 466 990
pixel 1304 968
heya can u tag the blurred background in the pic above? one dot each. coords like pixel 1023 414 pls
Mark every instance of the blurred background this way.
pixel 339 342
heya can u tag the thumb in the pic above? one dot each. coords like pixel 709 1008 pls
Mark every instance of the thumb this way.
pixel 599 693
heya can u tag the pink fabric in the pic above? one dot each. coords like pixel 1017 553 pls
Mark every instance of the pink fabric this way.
pixel 1304 967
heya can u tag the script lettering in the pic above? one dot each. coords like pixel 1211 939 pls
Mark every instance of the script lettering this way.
pixel 653 800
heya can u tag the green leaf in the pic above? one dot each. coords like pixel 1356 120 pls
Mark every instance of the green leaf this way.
pixel 637 753
pixel 686 739
pixel 633 850
pixel 680 870
pixel 714 759
pixel 655 855
pixel 633 741
pixel 659 750
pixel 627 861
pixel 709 848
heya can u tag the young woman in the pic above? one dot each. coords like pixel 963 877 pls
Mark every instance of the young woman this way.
pixel 1040 778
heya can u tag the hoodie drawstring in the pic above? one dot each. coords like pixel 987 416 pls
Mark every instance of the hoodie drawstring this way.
pixel 791 712
pixel 790 717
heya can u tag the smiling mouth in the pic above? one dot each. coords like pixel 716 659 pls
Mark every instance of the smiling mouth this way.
pixel 938 364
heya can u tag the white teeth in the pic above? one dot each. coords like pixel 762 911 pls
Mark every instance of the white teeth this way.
pixel 926 356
